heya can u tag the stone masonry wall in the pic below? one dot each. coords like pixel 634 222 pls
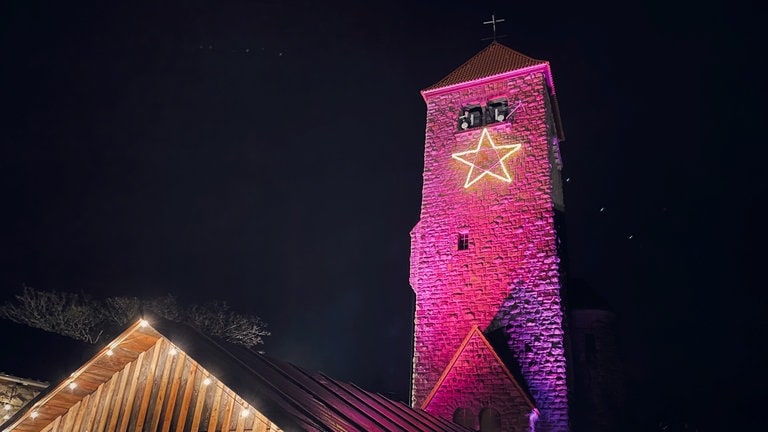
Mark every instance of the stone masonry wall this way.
pixel 508 277
pixel 478 381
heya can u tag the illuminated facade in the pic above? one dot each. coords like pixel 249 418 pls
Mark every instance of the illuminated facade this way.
pixel 488 345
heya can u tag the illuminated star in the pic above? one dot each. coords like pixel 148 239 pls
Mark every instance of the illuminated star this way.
pixel 487 159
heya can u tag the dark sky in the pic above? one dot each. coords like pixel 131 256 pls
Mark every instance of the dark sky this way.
pixel 269 153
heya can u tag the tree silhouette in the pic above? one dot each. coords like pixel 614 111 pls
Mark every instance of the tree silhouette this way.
pixel 83 318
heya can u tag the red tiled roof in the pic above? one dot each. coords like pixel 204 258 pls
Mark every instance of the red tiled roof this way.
pixel 492 60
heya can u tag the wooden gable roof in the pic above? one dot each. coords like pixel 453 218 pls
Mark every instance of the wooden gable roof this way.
pixel 140 381
pixel 168 376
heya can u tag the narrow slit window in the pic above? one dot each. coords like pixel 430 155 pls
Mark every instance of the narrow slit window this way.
pixel 463 241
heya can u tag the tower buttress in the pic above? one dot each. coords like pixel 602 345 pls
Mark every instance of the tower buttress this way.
pixel 484 252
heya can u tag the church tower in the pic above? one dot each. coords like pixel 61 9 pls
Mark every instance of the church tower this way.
pixel 489 343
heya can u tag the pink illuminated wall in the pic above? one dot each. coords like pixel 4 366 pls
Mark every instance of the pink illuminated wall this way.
pixel 507 280
pixel 476 379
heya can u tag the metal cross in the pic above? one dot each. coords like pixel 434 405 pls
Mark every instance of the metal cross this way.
pixel 493 22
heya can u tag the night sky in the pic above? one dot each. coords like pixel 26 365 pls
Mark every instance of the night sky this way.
pixel 269 154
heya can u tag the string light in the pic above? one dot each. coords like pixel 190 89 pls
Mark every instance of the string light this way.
pixel 73 385
pixel 8 407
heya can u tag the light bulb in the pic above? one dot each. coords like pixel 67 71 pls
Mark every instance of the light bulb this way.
pixel 206 381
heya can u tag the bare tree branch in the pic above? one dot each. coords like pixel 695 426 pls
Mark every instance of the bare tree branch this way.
pixel 122 310
pixel 67 314
pixel 166 307
pixel 217 319
pixel 82 318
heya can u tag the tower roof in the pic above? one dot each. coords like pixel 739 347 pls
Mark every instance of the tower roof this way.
pixel 492 60
pixel 497 61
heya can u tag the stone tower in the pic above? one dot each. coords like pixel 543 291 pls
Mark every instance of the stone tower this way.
pixel 488 344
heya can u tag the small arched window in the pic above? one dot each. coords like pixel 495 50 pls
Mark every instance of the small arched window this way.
pixel 490 420
pixel 464 417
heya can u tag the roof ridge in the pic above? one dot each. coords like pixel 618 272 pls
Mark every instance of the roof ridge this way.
pixel 494 43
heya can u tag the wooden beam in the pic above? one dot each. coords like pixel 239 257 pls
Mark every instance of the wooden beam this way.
pixel 149 381
pixel 68 419
pixel 167 362
pixel 119 395
pixel 240 419
pixel 171 404
pixel 132 391
pixel 189 386
pixel 92 408
pixel 226 424
pixel 53 426
pixel 212 422
pixel 260 425
pixel 200 402
pixel 83 407
pixel 104 408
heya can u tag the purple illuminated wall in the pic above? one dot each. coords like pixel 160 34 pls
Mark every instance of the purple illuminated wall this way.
pixel 507 280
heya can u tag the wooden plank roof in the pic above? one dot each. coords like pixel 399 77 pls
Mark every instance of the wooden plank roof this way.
pixel 289 396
